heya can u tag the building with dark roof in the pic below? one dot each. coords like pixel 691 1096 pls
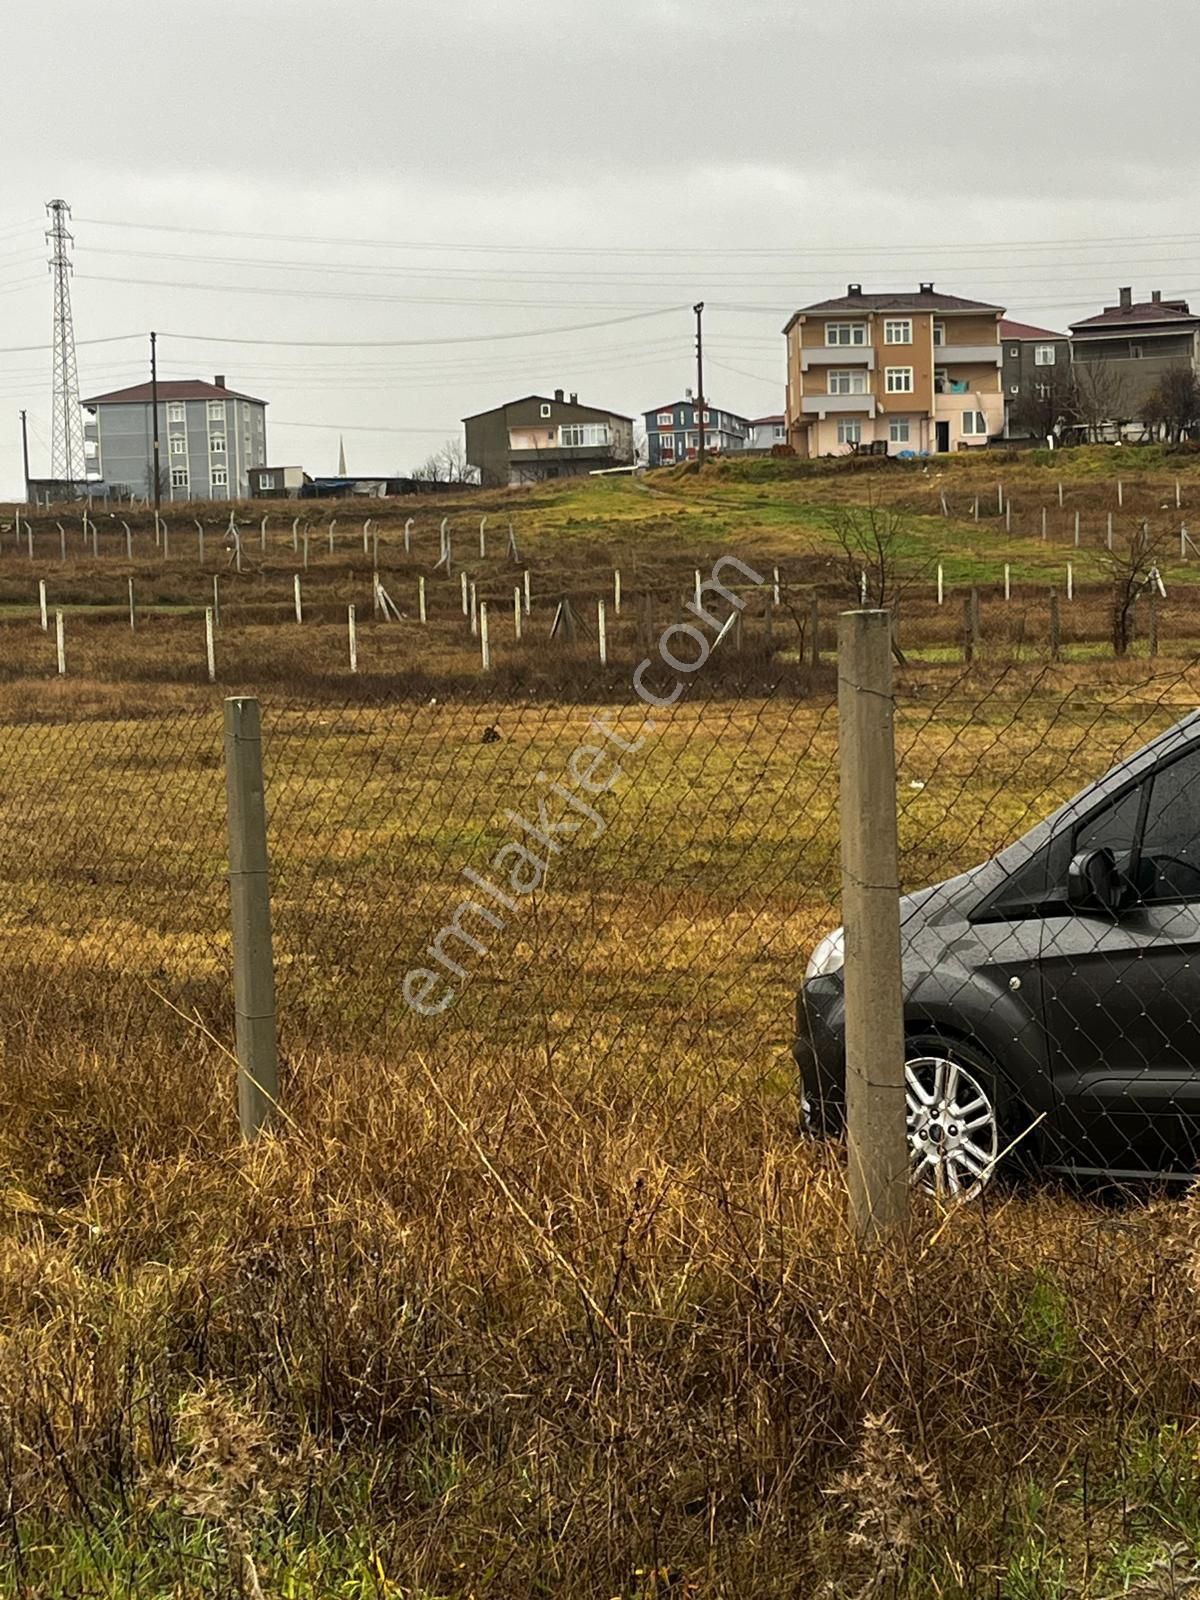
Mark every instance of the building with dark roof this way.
pixel 906 372
pixel 210 436
pixel 1124 350
pixel 673 431
pixel 1036 368
pixel 535 438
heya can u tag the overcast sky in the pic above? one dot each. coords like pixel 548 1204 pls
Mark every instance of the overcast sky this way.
pixel 456 170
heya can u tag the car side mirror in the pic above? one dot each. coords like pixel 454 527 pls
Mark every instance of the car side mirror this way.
pixel 1095 882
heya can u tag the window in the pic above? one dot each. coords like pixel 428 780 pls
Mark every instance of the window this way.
pixel 939 333
pixel 691 441
pixel 974 422
pixel 899 332
pixel 844 380
pixel 780 433
pixel 216 411
pixel 898 380
pixel 845 333
pixel 1042 390
pixel 666 444
pixel 178 445
pixel 1014 349
pixel 217 444
pixel 574 434
pixel 849 431
pixel 898 430
pixel 1043 355
pixel 219 478
pixel 266 480
pixel 712 441
pixel 1171 836
pixel 1135 351
pixel 941 379
pixel 545 410
pixel 665 419
pixel 176 411
pixel 179 477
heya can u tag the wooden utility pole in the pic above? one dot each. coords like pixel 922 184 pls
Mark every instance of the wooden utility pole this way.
pixel 698 308
pixel 154 424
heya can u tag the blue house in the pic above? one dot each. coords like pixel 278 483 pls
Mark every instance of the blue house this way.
pixel 673 433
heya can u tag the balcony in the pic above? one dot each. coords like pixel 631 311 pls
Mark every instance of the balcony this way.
pixel 988 355
pixel 837 355
pixel 820 405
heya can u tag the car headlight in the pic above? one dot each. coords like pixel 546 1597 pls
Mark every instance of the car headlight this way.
pixel 828 957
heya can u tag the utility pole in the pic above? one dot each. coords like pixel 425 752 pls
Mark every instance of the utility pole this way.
pixel 698 308
pixel 25 453
pixel 154 422
pixel 67 463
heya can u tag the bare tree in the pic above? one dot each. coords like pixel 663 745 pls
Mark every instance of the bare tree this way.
pixel 1174 402
pixel 447 465
pixel 1132 567
pixel 1046 409
pixel 878 566
pixel 1100 396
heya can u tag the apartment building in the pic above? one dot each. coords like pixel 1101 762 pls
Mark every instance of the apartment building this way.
pixel 209 437
pixel 673 431
pixel 530 440
pixel 767 432
pixel 1130 346
pixel 1036 367
pixel 897 372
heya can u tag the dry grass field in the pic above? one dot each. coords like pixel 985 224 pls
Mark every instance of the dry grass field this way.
pixel 543 1296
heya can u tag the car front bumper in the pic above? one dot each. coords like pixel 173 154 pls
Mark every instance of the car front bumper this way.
pixel 819 1051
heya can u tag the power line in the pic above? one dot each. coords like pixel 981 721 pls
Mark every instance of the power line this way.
pixel 394 344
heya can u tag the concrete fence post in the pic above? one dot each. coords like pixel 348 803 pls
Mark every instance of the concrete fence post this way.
pixel 877 1141
pixel 250 906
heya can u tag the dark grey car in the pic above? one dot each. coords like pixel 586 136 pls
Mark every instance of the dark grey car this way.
pixel 1052 994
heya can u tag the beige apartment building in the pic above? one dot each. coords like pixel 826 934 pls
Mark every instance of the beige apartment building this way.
pixel 902 372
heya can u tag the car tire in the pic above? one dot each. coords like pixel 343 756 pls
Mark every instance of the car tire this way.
pixel 959 1125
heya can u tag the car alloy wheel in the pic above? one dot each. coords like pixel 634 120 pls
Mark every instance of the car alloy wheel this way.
pixel 952 1129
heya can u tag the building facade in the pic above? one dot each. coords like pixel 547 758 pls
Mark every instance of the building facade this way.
pixel 898 372
pixel 1036 368
pixel 209 438
pixel 767 432
pixel 537 438
pixel 1124 351
pixel 673 432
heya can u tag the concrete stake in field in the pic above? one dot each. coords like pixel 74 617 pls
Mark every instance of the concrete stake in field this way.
pixel 352 630
pixel 375 548
pixel 60 641
pixel 295 533
pixel 445 537
pixel 1007 583
pixel 485 649
pixel 157 528
pixel 1120 494
pixel 474 613
pixel 166 542
pixel 1060 496
pixel 250 907
pixel 999 499
pixel 775 584
pixel 1178 501
pixel 483 538
pixel 29 538
pixel 210 645
pixel 128 543
pixel 366 535
pixel 975 508
pixel 1008 516
pixel 262 534
pixel 526 575
pixel 1108 530
pixel 408 522
pixel 96 541
pixel 1043 522
pixel 616 591
pixel 62 542
pixel 1070 582
pixel 517 612
pixel 466 600
pixel 296 596
pixel 132 613
pixel 216 605
pixel 42 604
pixel 876 1112
pixel 601 633
pixel 199 541
pixel 945 507
pixel 1077 528
pixel 332 526
pixel 697 588
pixel 421 600
pixel 377 597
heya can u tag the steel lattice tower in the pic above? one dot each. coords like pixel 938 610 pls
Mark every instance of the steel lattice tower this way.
pixel 67 463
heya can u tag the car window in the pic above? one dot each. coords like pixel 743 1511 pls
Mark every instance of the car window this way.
pixel 1171 843
pixel 1115 828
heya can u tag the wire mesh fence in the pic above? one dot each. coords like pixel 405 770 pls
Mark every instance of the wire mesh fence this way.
pixel 631 894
